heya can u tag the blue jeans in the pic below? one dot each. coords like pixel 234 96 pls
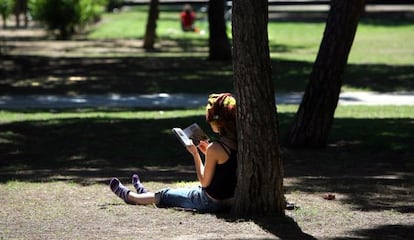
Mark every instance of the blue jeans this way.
pixel 188 198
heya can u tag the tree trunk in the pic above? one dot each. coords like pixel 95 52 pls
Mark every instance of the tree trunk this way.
pixel 220 48
pixel 20 7
pixel 150 32
pixel 314 118
pixel 4 21
pixel 260 176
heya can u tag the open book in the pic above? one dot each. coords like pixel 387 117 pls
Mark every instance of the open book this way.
pixel 191 134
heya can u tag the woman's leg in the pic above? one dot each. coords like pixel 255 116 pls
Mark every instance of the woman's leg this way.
pixel 141 199
pixel 130 197
pixel 187 198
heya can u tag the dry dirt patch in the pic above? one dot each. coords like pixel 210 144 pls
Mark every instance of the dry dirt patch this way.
pixel 62 210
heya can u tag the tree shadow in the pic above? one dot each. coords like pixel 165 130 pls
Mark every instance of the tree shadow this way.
pixel 140 75
pixel 44 75
pixel 389 19
pixel 92 150
pixel 383 232
pixel 373 168
pixel 380 77
pixel 285 228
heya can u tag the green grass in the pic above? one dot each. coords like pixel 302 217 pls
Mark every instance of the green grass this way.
pixel 381 58
pixel 127 24
pixel 376 41
pixel 132 23
pixel 101 139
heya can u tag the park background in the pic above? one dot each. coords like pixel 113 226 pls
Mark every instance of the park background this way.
pixel 55 163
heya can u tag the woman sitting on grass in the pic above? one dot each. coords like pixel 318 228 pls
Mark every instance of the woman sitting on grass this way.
pixel 217 175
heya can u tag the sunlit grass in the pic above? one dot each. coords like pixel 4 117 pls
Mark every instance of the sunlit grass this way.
pixel 348 111
pixel 377 41
pixel 375 112
pixel 11 116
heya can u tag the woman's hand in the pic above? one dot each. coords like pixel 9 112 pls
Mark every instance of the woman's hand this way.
pixel 203 146
pixel 192 149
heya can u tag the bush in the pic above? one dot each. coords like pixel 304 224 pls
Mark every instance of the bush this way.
pixel 6 7
pixel 66 16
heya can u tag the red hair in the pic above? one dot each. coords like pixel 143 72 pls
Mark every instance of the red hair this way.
pixel 222 109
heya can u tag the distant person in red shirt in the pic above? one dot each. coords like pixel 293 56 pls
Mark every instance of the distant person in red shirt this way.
pixel 188 17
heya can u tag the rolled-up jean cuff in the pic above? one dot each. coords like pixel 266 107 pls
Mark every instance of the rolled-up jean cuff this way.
pixel 194 198
pixel 158 196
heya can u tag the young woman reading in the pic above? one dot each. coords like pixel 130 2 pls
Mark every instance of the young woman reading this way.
pixel 217 174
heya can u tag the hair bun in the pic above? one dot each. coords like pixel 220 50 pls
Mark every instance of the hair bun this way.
pixel 221 107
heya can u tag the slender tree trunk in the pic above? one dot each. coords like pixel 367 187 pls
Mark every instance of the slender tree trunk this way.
pixel 17 10
pixel 314 118
pixel 260 176
pixel 4 21
pixel 150 33
pixel 220 48
pixel 25 13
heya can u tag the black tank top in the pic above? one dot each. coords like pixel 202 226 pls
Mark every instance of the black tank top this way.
pixel 224 181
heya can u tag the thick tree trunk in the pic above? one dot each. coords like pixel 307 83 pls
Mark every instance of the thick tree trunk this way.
pixel 150 32
pixel 219 45
pixel 260 176
pixel 314 118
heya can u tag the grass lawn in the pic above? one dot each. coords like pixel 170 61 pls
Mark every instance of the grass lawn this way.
pixel 55 167
pixel 109 58
pixel 377 57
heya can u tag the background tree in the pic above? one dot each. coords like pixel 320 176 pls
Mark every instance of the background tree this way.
pixel 6 7
pixel 150 31
pixel 20 8
pixel 219 45
pixel 260 175
pixel 314 118
pixel 65 16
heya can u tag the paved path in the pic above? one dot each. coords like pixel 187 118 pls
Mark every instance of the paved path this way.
pixel 164 100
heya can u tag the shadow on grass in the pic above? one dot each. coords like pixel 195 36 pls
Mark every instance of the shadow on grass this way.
pixel 384 232
pixel 140 75
pixel 372 176
pixel 44 75
pixel 284 228
pixel 368 160
pixel 93 143
pixel 92 150
pixel 372 168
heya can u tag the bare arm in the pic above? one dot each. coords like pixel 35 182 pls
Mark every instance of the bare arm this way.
pixel 198 163
pixel 205 172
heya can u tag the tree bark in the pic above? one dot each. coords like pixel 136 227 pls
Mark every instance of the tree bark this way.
pixel 260 176
pixel 219 45
pixel 150 32
pixel 21 8
pixel 313 121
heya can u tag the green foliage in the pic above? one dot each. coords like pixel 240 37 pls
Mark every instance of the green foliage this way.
pixel 6 7
pixel 66 16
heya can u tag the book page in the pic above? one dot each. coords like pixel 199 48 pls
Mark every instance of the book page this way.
pixel 195 133
pixel 182 136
